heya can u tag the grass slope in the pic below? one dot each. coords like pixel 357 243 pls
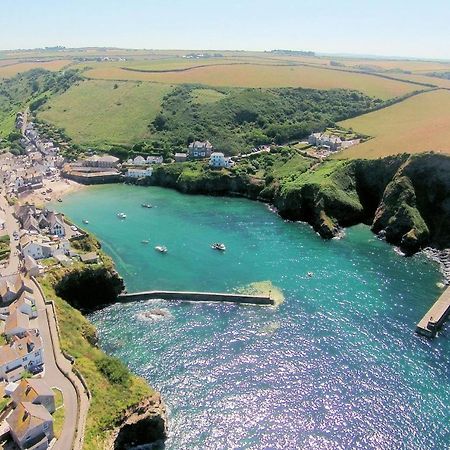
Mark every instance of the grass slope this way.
pixel 415 125
pixel 252 75
pixel 108 399
pixel 105 112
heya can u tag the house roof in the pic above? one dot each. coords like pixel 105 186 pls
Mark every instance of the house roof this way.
pixel 30 263
pixel 217 154
pixel 27 416
pixel 30 222
pixel 29 389
pixel 17 319
pixel 25 298
pixel 200 144
pixel 12 284
pixel 108 158
pixel 89 257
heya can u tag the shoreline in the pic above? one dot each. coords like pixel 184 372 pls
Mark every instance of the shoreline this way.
pixel 59 189
pixel 440 256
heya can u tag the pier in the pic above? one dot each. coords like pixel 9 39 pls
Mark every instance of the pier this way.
pixel 197 297
pixel 436 315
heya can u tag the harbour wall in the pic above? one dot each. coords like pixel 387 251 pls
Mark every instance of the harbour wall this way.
pixel 196 297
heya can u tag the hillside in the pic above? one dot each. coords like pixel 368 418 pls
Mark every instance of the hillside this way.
pixel 162 118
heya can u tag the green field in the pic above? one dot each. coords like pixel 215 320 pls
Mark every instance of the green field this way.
pixel 105 112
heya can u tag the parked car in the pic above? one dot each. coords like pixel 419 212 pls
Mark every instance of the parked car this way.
pixel 73 228
pixel 36 369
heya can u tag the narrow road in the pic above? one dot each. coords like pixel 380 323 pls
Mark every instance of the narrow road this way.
pixel 55 378
pixel 62 377
pixel 11 226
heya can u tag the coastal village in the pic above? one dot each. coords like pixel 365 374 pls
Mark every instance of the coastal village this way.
pixel 37 238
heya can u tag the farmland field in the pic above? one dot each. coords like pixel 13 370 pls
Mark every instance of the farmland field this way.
pixel 13 69
pixel 104 112
pixel 422 78
pixel 417 124
pixel 250 75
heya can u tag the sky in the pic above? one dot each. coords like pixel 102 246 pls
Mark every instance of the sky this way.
pixel 409 28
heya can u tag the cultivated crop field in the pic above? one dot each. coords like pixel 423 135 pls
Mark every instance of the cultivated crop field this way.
pixel 417 124
pixel 106 112
pixel 8 71
pixel 265 76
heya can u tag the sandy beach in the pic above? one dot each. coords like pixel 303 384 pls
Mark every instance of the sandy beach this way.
pixel 58 188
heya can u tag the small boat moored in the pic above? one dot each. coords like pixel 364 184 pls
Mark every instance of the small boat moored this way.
pixel 121 215
pixel 146 205
pixel 85 221
pixel 218 246
pixel 161 248
pixel 145 241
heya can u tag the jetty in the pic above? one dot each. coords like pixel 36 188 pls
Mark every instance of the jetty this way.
pixel 196 297
pixel 435 317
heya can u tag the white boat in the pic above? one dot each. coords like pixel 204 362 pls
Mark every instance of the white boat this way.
pixel 121 215
pixel 146 205
pixel 161 248
pixel 218 246
pixel 145 241
pixel 85 221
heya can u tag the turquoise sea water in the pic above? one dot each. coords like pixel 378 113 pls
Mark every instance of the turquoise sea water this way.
pixel 336 366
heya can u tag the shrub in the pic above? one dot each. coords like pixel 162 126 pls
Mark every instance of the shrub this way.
pixel 114 370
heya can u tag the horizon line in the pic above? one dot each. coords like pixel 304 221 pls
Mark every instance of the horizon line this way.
pixel 317 53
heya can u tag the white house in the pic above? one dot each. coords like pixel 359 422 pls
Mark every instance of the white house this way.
pixel 37 249
pixel 154 159
pixel 139 161
pixel 21 354
pixel 218 159
pixel 139 173
pixel 56 224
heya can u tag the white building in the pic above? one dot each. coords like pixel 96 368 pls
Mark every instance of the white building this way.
pixel 218 159
pixel 21 354
pixel 31 426
pixel 139 173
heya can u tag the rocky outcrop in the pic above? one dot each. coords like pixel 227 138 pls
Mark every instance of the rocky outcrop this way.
pixel 77 285
pixel 141 425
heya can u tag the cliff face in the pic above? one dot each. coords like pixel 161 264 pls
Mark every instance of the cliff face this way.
pixel 208 182
pixel 143 424
pixel 405 198
pixel 415 208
